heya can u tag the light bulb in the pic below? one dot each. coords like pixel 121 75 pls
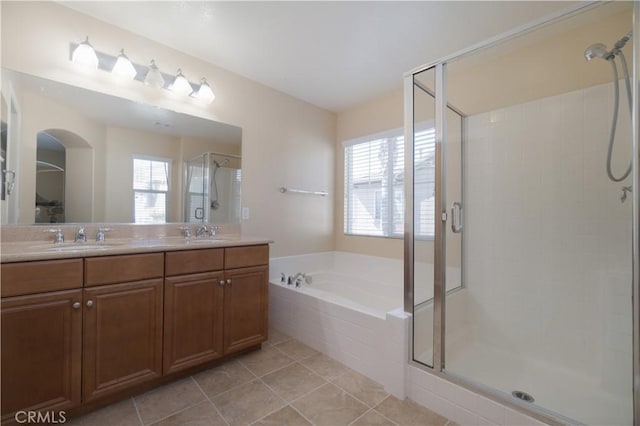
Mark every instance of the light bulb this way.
pixel 123 67
pixel 205 94
pixel 181 84
pixel 85 56
pixel 154 76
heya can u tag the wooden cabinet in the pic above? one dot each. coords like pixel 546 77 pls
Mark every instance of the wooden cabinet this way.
pixel 211 314
pixel 193 290
pixel 41 351
pixel 122 324
pixel 246 297
pixel 77 330
pixel 245 307
pixel 122 337
pixel 41 326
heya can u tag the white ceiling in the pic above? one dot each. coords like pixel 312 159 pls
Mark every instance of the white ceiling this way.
pixel 332 54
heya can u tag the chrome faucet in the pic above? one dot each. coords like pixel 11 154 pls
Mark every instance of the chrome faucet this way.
pixel 186 230
pixel 299 277
pixel 201 231
pixel 213 230
pixel 59 237
pixel 81 236
pixel 100 234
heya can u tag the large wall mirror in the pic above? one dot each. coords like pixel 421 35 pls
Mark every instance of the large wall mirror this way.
pixel 90 157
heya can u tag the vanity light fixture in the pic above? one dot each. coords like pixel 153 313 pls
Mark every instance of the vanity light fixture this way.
pixel 181 84
pixel 123 67
pixel 154 76
pixel 85 56
pixel 205 94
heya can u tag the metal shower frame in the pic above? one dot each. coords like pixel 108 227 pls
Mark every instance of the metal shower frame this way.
pixel 439 67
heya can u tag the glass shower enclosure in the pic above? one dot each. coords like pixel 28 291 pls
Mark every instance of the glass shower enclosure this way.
pixel 522 229
pixel 212 188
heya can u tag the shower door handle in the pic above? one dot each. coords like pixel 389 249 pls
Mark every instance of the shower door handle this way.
pixel 456 217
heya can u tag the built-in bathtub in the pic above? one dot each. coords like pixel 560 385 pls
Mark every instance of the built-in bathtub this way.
pixel 352 311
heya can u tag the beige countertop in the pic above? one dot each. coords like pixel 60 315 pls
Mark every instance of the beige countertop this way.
pixel 14 250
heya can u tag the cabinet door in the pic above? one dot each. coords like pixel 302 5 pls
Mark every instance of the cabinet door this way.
pixel 122 336
pixel 245 307
pixel 41 352
pixel 192 320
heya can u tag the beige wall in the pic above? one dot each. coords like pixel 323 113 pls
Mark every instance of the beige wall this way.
pixel 283 138
pixel 379 115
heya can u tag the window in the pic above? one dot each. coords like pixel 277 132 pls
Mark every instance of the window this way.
pixel 374 184
pixel 150 190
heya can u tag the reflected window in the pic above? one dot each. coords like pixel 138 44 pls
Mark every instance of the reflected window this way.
pixel 150 189
pixel 374 184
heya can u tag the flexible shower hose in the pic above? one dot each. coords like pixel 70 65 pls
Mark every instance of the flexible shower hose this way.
pixel 616 100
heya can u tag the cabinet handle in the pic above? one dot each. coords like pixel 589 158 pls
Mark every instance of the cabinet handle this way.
pixel 89 303
pixel 222 283
pixel 76 305
pixel 229 281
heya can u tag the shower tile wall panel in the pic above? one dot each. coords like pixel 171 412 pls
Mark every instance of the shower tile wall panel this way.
pixel 547 238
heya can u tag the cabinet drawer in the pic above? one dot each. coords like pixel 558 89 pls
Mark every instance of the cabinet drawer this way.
pixel 240 257
pixel 36 277
pixel 194 261
pixel 118 269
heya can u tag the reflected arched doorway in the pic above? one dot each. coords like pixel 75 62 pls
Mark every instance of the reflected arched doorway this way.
pixel 50 179
pixel 64 177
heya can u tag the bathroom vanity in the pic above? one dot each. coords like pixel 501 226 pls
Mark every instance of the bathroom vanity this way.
pixel 83 328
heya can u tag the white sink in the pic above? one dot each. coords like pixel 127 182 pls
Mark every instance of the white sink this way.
pixel 79 247
pixel 206 240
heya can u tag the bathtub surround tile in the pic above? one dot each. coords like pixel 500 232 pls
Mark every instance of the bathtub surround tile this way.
pixel 372 418
pixel 296 349
pixel 203 414
pixel 166 400
pixel 247 403
pixel 361 387
pixel 286 416
pixel 121 413
pixel 265 360
pixel 293 381
pixel 326 367
pixel 409 413
pixel 330 406
pixel 221 379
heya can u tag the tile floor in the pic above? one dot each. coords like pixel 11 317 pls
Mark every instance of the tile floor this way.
pixel 285 383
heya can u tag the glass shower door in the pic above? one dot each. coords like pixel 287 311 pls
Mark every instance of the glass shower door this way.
pixel 197 189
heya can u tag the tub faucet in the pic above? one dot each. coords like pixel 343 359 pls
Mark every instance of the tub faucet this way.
pixel 299 277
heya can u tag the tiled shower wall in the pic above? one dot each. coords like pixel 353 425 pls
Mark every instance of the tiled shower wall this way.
pixel 548 241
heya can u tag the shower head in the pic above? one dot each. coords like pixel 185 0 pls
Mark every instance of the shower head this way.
pixel 597 50
pixel 223 163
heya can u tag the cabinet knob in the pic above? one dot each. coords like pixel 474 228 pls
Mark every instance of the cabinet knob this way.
pixel 222 283
pixel 89 303
pixel 229 281
pixel 76 305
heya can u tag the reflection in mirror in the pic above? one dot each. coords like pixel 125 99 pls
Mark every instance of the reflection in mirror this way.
pixel 3 150
pixel 101 136
pixel 213 188
pixel 50 179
